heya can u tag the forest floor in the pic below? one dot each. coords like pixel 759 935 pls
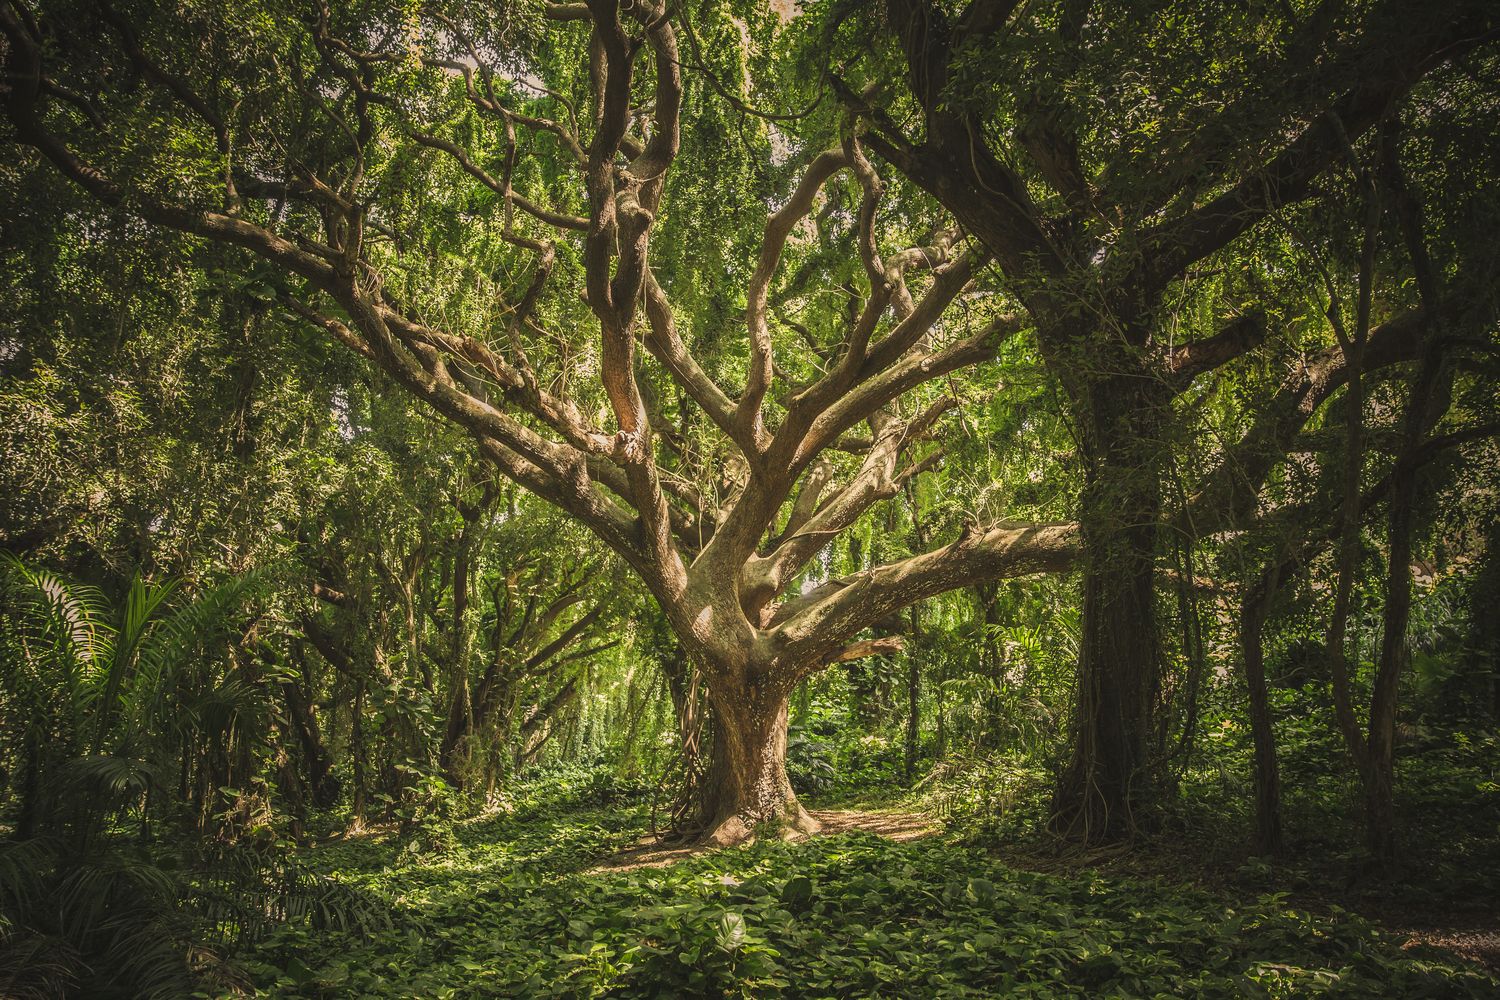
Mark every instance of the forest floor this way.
pixel 566 898
pixel 1420 907
pixel 1469 934
pixel 1465 926
pixel 652 851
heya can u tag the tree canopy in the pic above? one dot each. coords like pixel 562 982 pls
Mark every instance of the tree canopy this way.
pixel 547 375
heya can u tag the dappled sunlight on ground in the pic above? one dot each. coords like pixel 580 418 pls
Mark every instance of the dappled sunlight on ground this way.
pixel 653 852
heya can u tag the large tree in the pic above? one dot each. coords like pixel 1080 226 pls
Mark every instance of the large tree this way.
pixel 1113 158
pixel 700 326
pixel 364 159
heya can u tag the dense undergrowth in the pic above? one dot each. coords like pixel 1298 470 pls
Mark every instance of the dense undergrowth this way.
pixel 1449 822
pixel 514 905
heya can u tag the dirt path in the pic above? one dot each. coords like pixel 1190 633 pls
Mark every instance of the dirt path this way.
pixel 648 852
pixel 1479 944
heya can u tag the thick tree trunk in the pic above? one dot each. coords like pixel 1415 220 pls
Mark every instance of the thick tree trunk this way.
pixel 1106 787
pixel 746 784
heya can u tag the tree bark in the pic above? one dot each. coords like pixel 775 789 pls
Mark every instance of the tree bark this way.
pixel 685 685
pixel 458 666
pixel 1108 783
pixel 1253 612
pixel 358 752
pixel 1430 396
pixel 746 784
pixel 321 780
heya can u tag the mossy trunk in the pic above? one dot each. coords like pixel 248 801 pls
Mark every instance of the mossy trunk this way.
pixel 1106 788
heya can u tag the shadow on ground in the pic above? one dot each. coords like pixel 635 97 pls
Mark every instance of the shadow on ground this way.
pixel 653 852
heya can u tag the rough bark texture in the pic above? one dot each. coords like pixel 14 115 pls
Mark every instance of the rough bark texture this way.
pixel 1109 779
pixel 746 785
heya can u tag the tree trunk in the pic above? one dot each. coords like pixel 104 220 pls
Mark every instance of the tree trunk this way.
pixel 1253 612
pixel 684 684
pixel 321 780
pixel 913 698
pixel 1431 394
pixel 459 703
pixel 358 754
pixel 991 666
pixel 746 784
pixel 1108 784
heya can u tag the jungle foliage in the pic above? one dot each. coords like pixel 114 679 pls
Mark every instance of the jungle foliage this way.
pixel 442 443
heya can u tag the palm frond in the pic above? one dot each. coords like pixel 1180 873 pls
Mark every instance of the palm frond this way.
pixel 60 636
pixel 92 887
pixel 141 603
pixel 181 635
pixel 241 892
pixel 24 868
pixel 111 778
pixel 37 966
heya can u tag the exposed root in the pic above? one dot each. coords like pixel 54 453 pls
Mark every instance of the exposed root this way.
pixel 796 824
pixel 658 852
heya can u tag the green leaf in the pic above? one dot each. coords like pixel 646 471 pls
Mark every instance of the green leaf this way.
pixel 731 933
pixel 797 892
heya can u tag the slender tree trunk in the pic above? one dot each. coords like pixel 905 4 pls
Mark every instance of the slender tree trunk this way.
pixel 540 720
pixel 913 698
pixel 321 780
pixel 913 719
pixel 290 784
pixel 942 720
pixel 1107 786
pixel 459 718
pixel 1253 612
pixel 458 666
pixel 358 752
pixel 868 709
pixel 1484 595
pixel 992 666
pixel 1349 519
pixel 1430 396
pixel 746 783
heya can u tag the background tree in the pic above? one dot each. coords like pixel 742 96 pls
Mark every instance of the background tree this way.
pixel 1114 161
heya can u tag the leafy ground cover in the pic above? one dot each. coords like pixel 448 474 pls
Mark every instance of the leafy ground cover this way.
pixel 516 905
pixel 1444 888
